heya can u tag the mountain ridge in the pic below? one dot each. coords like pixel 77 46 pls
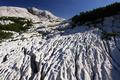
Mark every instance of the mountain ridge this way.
pixel 24 12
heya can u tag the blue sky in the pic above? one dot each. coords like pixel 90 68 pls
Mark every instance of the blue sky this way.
pixel 61 8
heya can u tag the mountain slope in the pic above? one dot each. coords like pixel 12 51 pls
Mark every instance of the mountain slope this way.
pixel 63 53
pixel 42 13
pixel 27 13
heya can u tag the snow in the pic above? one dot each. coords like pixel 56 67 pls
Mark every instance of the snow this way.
pixel 17 12
pixel 70 54
pixel 42 13
pixel 6 22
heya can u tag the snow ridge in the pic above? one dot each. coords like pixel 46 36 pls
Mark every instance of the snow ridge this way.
pixel 42 13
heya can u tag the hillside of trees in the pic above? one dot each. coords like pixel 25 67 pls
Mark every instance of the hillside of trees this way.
pixel 18 25
pixel 96 15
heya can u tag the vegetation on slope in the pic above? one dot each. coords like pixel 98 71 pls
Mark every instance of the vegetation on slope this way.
pixel 96 15
pixel 5 35
pixel 18 25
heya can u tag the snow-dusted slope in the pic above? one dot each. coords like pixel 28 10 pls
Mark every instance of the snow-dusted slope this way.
pixel 17 12
pixel 32 13
pixel 42 13
pixel 69 54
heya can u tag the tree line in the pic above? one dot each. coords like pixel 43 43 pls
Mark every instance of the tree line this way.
pixel 95 15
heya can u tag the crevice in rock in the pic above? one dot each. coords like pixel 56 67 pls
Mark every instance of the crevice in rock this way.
pixel 34 66
pixel 24 50
pixel 76 65
pixel 43 75
pixel 5 58
pixel 109 50
pixel 93 74
pixel 105 46
pixel 22 72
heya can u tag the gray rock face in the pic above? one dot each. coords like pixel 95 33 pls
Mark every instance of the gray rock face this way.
pixel 72 54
